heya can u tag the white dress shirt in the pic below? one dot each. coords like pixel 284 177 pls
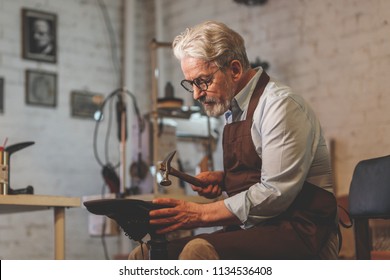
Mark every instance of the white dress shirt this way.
pixel 288 138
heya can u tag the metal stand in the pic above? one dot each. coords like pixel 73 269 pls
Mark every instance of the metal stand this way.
pixel 154 45
pixel 158 247
pixel 123 138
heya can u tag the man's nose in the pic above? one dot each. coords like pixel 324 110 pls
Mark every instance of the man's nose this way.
pixel 198 93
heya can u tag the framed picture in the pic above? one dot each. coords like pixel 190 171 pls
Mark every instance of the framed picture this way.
pixel 39 36
pixel 85 104
pixel 41 88
pixel 1 95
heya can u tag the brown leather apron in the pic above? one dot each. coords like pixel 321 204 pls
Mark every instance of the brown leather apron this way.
pixel 298 233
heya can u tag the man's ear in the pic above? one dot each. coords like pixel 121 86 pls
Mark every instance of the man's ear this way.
pixel 236 69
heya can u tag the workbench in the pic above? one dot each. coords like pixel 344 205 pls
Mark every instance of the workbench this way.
pixel 27 203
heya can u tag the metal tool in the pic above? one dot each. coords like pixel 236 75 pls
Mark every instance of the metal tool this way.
pixel 5 182
pixel 166 170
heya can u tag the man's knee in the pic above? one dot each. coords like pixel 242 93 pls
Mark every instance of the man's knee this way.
pixel 141 252
pixel 198 249
pixel 331 248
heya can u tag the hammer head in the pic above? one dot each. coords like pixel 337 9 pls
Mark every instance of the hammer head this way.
pixel 165 167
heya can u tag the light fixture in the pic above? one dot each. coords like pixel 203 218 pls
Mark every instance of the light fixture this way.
pixel 251 2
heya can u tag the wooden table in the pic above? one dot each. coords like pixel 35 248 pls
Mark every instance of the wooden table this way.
pixel 27 203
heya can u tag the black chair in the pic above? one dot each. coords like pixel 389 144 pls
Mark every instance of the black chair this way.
pixel 369 198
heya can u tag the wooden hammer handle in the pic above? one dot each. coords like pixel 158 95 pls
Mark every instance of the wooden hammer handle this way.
pixel 188 178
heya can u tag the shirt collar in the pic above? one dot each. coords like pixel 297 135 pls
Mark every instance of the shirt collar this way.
pixel 244 96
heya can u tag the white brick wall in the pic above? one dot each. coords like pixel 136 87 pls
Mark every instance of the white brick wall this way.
pixel 61 162
pixel 335 53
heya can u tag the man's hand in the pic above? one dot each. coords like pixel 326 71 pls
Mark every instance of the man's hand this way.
pixel 180 215
pixel 214 179
pixel 188 215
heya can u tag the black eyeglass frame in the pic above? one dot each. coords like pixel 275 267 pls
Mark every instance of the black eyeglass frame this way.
pixel 200 83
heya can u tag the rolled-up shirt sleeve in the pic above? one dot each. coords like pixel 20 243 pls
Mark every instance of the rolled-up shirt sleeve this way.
pixel 285 133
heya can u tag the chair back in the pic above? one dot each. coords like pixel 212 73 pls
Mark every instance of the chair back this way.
pixel 369 198
pixel 369 194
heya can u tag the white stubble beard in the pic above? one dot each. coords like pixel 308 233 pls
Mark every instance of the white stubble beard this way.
pixel 220 107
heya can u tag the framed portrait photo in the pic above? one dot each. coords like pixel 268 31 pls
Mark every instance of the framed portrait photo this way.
pixel 41 88
pixel 85 104
pixel 39 35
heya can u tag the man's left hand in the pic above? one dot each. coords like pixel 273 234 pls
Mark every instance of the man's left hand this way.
pixel 179 215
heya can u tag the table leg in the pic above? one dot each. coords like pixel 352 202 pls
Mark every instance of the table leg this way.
pixel 59 233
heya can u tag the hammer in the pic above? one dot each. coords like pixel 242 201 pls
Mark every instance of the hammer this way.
pixel 166 169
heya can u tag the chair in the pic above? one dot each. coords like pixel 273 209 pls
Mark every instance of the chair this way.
pixel 369 198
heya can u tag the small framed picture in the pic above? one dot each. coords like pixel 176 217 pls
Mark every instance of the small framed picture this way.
pixel 85 104
pixel 41 88
pixel 1 95
pixel 39 35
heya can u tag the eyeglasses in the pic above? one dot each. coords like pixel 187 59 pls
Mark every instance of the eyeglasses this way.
pixel 200 83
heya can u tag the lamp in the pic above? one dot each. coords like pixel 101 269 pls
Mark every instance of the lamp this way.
pixel 251 2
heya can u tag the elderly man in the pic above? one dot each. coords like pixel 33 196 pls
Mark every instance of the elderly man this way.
pixel 42 38
pixel 277 173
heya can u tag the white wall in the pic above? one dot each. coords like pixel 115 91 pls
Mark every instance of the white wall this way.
pixel 335 53
pixel 62 161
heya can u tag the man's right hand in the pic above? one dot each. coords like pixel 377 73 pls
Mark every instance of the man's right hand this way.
pixel 214 180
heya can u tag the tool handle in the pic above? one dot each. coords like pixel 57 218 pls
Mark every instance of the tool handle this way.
pixel 27 190
pixel 188 178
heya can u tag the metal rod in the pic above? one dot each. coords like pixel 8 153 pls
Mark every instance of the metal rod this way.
pixel 122 171
pixel 154 45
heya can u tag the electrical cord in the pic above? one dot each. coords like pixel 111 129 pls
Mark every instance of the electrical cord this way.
pixel 98 119
pixel 107 138
pixel 140 120
pixel 117 66
pixel 111 33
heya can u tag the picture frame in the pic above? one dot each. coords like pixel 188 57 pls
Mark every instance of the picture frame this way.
pixel 39 35
pixel 1 95
pixel 85 104
pixel 41 88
